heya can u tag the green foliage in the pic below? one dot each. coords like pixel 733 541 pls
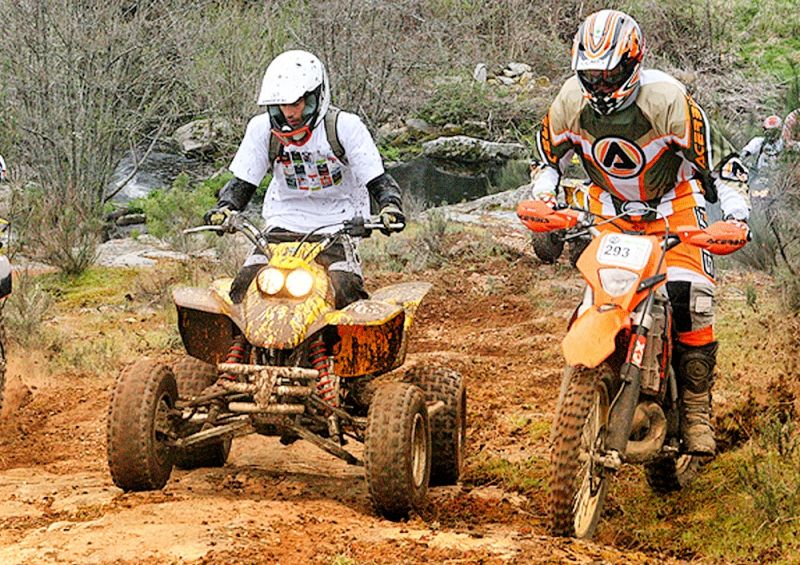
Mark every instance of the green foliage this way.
pixel 25 310
pixel 455 102
pixel 95 286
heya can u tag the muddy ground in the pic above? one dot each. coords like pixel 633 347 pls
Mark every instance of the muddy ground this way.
pixel 498 320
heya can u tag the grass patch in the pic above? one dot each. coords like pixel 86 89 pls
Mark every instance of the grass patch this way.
pixel 528 476
pixel 94 287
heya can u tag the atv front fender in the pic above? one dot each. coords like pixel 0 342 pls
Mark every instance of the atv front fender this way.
pixel 204 322
pixel 591 338
pixel 373 334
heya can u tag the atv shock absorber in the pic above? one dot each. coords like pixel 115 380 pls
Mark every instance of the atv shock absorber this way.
pixel 236 354
pixel 326 388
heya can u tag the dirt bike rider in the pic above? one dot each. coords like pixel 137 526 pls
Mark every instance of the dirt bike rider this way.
pixel 762 153
pixel 3 170
pixel 311 186
pixel 643 140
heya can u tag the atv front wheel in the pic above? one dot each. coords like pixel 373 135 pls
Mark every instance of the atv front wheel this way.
pixel 398 450
pixel 547 246
pixel 449 425
pixel 138 427
pixel 192 377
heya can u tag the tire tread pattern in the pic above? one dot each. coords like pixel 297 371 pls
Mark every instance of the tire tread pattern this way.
pixel 387 453
pixel 447 385
pixel 129 437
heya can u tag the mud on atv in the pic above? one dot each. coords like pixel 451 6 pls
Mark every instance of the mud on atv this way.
pixel 286 363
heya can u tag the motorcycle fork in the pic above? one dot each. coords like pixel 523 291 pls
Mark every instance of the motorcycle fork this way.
pixel 620 417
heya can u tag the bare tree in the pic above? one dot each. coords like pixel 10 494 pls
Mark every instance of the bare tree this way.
pixel 89 79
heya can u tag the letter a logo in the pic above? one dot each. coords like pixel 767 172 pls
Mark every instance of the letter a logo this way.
pixel 618 157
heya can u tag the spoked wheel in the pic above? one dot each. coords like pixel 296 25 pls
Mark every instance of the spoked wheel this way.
pixel 139 427
pixel 578 480
pixel 398 450
pixel 671 474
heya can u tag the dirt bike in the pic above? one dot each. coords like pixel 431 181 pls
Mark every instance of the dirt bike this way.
pixel 5 291
pixel 286 363
pixel 618 401
pixel 549 246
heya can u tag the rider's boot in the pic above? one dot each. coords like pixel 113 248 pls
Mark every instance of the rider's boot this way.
pixel 694 366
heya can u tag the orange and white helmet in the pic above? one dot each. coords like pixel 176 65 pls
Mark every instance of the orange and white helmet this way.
pixel 607 56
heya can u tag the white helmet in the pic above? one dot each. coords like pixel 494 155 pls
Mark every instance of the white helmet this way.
pixel 3 171
pixel 291 76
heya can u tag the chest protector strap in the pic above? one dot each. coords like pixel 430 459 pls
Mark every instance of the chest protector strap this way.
pixel 331 118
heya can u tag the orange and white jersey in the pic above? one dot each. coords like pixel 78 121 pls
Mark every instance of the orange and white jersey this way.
pixel 646 152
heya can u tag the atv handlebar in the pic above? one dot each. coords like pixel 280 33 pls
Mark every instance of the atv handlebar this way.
pixel 236 222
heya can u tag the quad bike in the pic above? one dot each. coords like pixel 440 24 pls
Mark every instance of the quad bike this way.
pixel 618 401
pixel 5 290
pixel 549 246
pixel 286 363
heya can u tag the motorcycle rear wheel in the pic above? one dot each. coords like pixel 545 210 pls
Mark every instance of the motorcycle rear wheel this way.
pixel 547 246
pixel 578 481
pixel 671 474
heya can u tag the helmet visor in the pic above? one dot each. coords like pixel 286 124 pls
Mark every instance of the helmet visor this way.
pixel 605 82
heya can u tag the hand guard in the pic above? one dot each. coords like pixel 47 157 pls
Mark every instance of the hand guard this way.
pixel 391 214
pixel 742 225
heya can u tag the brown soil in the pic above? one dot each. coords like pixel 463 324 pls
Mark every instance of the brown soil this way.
pixel 499 322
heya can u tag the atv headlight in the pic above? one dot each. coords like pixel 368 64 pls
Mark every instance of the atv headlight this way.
pixel 617 282
pixel 299 282
pixel 270 280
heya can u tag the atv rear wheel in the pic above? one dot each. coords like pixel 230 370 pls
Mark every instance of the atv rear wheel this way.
pixel 397 452
pixel 192 377
pixel 139 425
pixel 578 481
pixel 449 425
pixel 670 474
pixel 547 246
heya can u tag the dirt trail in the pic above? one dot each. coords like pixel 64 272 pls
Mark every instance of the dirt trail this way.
pixel 295 504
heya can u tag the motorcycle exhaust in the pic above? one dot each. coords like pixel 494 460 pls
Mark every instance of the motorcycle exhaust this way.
pixel 649 417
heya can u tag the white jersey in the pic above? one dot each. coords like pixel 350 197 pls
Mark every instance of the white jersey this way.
pixel 310 187
pixel 766 152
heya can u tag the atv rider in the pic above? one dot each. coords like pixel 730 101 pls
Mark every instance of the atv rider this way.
pixel 644 141
pixel 325 167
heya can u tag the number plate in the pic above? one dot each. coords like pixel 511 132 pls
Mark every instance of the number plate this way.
pixel 622 250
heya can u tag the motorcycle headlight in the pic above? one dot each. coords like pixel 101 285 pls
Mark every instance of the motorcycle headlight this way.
pixel 270 280
pixel 617 282
pixel 299 282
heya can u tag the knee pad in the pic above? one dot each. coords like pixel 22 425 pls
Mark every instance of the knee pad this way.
pixel 695 365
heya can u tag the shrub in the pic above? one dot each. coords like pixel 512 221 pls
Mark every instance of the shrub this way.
pixel 26 308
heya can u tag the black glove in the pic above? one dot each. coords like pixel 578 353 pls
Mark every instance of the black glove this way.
pixel 392 214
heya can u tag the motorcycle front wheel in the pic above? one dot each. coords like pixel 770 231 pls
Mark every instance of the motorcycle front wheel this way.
pixel 578 480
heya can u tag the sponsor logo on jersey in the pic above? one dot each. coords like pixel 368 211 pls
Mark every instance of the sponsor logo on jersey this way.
pixel 618 157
